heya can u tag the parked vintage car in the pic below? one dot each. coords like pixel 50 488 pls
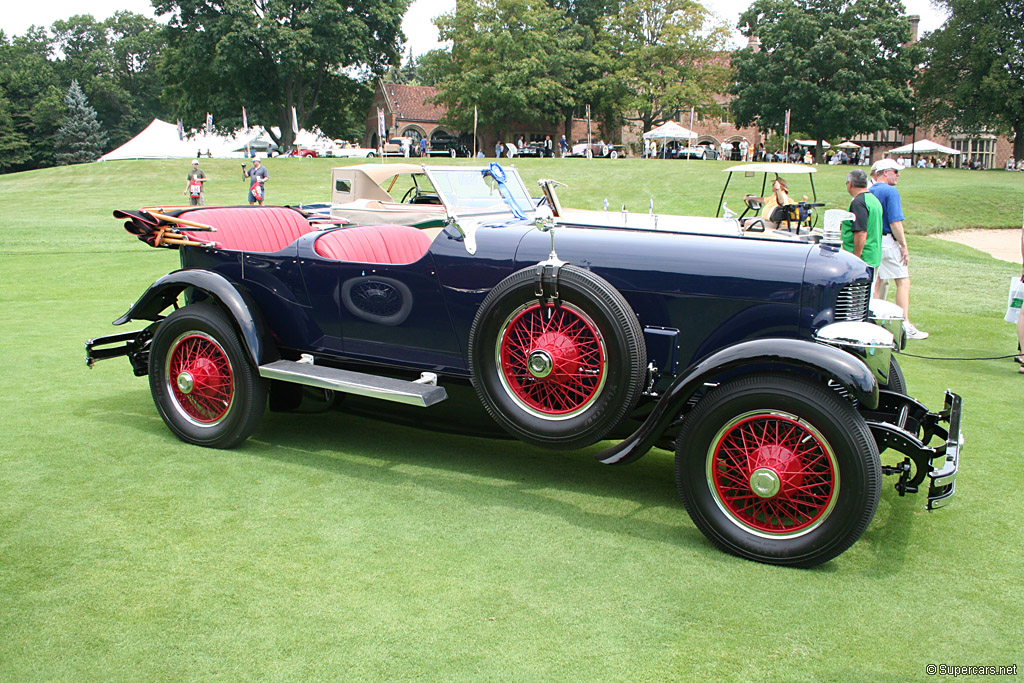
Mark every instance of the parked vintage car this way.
pixel 700 151
pixel 752 359
pixel 596 150
pixel 447 146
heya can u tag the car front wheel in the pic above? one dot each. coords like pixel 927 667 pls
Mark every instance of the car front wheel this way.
pixel 778 470
pixel 203 384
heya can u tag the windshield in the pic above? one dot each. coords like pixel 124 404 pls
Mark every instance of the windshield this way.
pixel 467 192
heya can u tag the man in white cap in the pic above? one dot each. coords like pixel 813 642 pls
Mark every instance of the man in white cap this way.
pixel 194 185
pixel 895 254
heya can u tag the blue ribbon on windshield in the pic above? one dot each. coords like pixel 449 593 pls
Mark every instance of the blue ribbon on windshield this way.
pixel 498 173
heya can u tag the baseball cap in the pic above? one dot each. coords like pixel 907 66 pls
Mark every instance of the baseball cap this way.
pixel 885 165
pixel 195 162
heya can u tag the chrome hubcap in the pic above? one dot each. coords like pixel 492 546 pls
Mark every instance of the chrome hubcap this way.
pixel 765 482
pixel 540 364
pixel 185 383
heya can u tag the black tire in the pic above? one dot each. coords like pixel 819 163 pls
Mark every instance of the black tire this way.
pixel 202 381
pixel 897 382
pixel 780 470
pixel 570 384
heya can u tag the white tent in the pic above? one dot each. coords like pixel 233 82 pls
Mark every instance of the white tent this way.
pixel 924 147
pixel 670 131
pixel 812 143
pixel 159 140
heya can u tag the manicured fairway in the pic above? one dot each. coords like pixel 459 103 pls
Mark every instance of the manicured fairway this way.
pixel 334 547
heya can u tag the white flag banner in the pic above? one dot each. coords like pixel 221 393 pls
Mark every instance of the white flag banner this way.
pixel 295 122
pixel 245 121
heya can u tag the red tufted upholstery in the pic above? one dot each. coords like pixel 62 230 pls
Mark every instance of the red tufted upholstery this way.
pixel 256 229
pixel 393 244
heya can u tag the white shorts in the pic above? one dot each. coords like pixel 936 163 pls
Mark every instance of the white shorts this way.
pixel 891 267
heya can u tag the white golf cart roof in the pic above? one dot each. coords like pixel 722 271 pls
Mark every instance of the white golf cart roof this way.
pixel 771 168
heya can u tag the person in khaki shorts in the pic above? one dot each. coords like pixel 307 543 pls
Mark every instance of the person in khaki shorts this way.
pixel 895 254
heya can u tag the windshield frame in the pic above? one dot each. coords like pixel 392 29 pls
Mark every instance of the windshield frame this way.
pixel 460 205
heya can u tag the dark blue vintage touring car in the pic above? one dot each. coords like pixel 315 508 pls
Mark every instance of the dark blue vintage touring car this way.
pixel 760 362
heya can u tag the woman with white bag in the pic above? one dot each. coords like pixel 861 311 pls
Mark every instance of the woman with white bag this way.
pixel 1020 317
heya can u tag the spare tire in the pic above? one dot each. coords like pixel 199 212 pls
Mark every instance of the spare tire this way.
pixel 558 374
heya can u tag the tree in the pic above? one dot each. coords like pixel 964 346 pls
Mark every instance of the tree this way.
pixel 974 74
pixel 35 102
pixel 663 54
pixel 841 66
pixel 80 139
pixel 272 55
pixel 509 58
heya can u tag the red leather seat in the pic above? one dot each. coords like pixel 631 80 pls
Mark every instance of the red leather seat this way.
pixel 264 229
pixel 391 244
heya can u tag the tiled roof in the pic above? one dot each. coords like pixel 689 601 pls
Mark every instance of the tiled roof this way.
pixel 411 102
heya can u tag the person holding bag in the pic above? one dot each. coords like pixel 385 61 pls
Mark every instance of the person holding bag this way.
pixel 1020 317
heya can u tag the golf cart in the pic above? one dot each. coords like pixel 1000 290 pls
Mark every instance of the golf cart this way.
pixel 794 217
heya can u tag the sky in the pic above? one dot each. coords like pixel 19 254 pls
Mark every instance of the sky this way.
pixel 419 30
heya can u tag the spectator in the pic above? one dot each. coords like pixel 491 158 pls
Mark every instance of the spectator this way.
pixel 563 147
pixel 499 149
pixel 759 152
pixel 744 148
pixel 727 150
pixel 1010 163
pixel 423 147
pixel 1020 320
pixel 194 185
pixel 863 236
pixel 259 175
pixel 549 149
pixel 895 254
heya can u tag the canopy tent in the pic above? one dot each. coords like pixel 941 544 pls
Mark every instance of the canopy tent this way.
pixel 159 140
pixel 670 131
pixel 812 143
pixel 848 145
pixel 924 147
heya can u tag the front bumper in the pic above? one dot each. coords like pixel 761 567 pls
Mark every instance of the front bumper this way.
pixel 905 425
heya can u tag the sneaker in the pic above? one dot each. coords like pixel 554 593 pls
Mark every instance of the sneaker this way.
pixel 913 332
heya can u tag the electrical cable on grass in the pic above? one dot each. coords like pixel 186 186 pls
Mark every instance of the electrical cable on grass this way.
pixel 939 357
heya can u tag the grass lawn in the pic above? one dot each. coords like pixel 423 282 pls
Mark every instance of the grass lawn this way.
pixel 331 547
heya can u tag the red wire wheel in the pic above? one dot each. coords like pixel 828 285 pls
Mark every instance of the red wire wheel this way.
pixel 199 378
pixel 552 359
pixel 773 474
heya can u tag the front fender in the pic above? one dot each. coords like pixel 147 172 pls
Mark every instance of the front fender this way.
pixel 236 302
pixel 767 354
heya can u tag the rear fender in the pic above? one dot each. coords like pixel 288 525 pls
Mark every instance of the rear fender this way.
pixel 826 362
pixel 237 303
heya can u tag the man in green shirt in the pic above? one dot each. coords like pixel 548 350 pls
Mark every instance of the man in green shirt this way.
pixel 863 236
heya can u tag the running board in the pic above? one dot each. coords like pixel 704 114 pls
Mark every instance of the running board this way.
pixel 418 393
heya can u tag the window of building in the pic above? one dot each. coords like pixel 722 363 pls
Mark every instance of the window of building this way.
pixel 978 151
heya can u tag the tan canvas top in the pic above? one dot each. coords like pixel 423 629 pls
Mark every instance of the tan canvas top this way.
pixel 366 179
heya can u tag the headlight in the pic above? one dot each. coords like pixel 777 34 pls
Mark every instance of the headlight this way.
pixel 889 316
pixel 871 343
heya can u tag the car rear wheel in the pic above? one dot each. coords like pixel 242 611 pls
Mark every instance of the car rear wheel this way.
pixel 203 384
pixel 778 470
pixel 558 374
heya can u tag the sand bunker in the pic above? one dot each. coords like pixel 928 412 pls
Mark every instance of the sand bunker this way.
pixel 1002 244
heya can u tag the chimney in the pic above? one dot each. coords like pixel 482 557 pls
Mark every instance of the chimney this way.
pixel 754 44
pixel 915 21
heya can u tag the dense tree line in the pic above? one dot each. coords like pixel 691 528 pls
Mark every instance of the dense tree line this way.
pixel 538 61
pixel 841 67
pixel 114 65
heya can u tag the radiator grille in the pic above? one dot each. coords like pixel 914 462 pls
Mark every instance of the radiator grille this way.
pixel 852 302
